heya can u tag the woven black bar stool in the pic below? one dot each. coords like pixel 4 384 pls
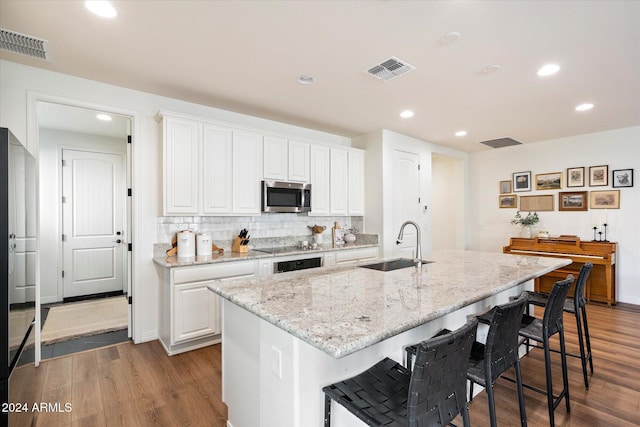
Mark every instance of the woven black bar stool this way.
pixel 577 307
pixel 412 350
pixel 387 394
pixel 541 331
pixel 499 353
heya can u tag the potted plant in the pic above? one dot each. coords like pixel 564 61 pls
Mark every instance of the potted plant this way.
pixel 526 222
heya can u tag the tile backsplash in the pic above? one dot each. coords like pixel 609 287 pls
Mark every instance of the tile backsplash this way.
pixel 268 225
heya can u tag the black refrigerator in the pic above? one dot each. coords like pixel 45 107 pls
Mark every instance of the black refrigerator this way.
pixel 18 206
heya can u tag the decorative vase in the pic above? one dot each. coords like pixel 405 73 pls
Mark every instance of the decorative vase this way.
pixel 349 237
pixel 526 232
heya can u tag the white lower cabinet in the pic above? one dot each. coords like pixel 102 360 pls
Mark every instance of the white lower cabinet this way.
pixel 196 312
pixel 190 315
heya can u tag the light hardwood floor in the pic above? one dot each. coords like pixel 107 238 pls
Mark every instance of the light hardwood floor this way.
pixel 138 385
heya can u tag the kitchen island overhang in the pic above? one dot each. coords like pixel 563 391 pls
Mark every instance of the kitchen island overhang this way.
pixel 286 336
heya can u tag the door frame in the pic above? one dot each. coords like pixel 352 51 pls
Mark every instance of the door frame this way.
pixel 133 155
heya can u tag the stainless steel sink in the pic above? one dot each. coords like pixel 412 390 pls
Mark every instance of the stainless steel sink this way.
pixel 394 264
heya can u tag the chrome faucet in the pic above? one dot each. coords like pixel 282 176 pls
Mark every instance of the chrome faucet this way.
pixel 418 258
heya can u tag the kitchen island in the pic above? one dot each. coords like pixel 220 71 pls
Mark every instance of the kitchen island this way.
pixel 284 337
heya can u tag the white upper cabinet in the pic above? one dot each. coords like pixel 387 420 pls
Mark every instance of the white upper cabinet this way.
pixel 181 168
pixel 298 161
pixel 210 169
pixel 214 169
pixel 275 158
pixel 356 183
pixel 285 160
pixel 320 179
pixel 217 170
pixel 339 181
pixel 247 170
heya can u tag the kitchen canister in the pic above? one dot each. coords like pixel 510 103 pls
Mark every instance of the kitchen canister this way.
pixel 186 244
pixel 203 244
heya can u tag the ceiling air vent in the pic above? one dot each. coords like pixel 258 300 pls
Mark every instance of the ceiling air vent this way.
pixel 501 142
pixel 390 69
pixel 24 45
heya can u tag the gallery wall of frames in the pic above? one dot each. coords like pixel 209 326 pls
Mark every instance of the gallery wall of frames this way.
pixel 574 189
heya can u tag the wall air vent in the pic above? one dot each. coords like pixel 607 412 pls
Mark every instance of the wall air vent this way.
pixel 500 142
pixel 24 45
pixel 390 69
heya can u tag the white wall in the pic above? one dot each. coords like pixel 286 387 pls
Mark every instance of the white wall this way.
pixel 619 149
pixel 19 84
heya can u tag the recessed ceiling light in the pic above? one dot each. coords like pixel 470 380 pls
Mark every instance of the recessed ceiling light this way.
pixel 103 117
pixel 584 107
pixel 461 133
pixel 407 114
pixel 101 8
pixel 451 37
pixel 306 80
pixel 491 68
pixel 548 70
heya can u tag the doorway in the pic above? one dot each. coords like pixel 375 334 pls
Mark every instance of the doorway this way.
pixel 93 220
pixel 85 224
pixel 406 203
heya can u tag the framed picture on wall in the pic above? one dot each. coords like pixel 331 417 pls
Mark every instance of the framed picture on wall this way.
pixel 508 201
pixel 540 203
pixel 606 199
pixel 575 177
pixel 598 176
pixel 522 181
pixel 622 178
pixel 549 181
pixel 505 187
pixel 572 201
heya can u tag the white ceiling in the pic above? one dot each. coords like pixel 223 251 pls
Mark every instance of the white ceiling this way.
pixel 245 56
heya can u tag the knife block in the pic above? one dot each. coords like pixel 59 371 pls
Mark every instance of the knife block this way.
pixel 237 247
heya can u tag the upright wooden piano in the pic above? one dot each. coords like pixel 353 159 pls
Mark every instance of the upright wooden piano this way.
pixel 601 284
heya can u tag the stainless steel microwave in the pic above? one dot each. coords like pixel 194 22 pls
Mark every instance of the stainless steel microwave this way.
pixel 279 196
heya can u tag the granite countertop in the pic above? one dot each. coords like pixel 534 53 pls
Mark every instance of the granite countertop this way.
pixel 228 255
pixel 341 310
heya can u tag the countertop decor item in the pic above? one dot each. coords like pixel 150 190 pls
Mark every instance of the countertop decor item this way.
pixel 349 237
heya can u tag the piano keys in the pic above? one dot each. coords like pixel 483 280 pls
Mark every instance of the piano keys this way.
pixel 601 284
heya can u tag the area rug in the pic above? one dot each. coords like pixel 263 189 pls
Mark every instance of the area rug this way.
pixel 73 320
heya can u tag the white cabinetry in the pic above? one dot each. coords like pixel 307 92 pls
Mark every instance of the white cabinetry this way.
pixel 181 153
pixel 247 169
pixel 298 161
pixel 285 160
pixel 346 256
pixel 320 178
pixel 356 183
pixel 190 315
pixel 275 158
pixel 217 167
pixel 337 181
pixel 210 169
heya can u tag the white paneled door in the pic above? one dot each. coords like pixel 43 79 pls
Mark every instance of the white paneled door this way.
pixel 406 205
pixel 93 211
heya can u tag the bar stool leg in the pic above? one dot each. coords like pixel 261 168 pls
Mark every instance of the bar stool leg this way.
pixel 583 357
pixel 586 334
pixel 565 375
pixel 327 411
pixel 547 370
pixel 492 405
pixel 523 413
